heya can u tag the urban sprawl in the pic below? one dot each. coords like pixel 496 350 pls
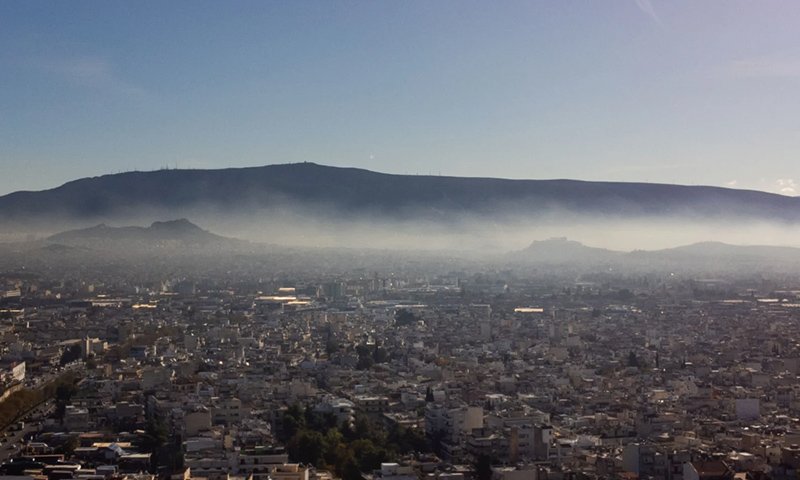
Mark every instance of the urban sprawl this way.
pixel 398 376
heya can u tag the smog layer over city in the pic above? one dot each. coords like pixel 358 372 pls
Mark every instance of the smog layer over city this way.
pixel 412 240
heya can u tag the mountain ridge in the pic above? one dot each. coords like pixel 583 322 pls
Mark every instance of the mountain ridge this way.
pixel 561 250
pixel 306 175
pixel 351 206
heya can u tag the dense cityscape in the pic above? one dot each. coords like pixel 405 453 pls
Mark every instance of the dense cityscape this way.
pixel 399 240
pixel 464 375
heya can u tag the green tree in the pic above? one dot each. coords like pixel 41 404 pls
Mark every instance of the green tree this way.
pixel 483 467
pixel 365 362
pixel 70 354
pixel 334 447
pixel 63 394
pixel 368 455
pixel 331 346
pixel 289 428
pixel 364 428
pixel 633 360
pixel 380 355
pixel 307 446
pixel 69 446
pixel 404 317
pixel 292 421
pixel 350 471
pixel 406 440
pixel 155 435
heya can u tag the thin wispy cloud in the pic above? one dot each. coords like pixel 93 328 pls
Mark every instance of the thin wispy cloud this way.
pixel 91 72
pixel 642 168
pixel 781 186
pixel 646 6
pixel 787 186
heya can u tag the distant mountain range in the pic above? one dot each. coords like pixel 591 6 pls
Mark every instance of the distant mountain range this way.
pixel 173 242
pixel 182 241
pixel 169 238
pixel 174 233
pixel 362 193
pixel 563 251
pixel 183 236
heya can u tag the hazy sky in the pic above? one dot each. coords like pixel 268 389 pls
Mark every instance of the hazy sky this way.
pixel 693 92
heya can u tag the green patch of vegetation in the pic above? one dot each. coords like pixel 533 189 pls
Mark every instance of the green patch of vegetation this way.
pixel 347 450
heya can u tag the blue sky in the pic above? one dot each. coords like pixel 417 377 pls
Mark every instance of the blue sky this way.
pixel 692 92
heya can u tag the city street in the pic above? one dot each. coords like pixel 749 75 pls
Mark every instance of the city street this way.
pixel 12 436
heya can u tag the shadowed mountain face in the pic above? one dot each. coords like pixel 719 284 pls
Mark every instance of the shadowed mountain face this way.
pixel 312 205
pixel 362 192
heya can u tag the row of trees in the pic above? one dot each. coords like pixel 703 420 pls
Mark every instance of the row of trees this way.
pixel 22 401
pixel 345 449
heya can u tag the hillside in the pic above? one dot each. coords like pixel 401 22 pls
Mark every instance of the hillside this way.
pixel 142 196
